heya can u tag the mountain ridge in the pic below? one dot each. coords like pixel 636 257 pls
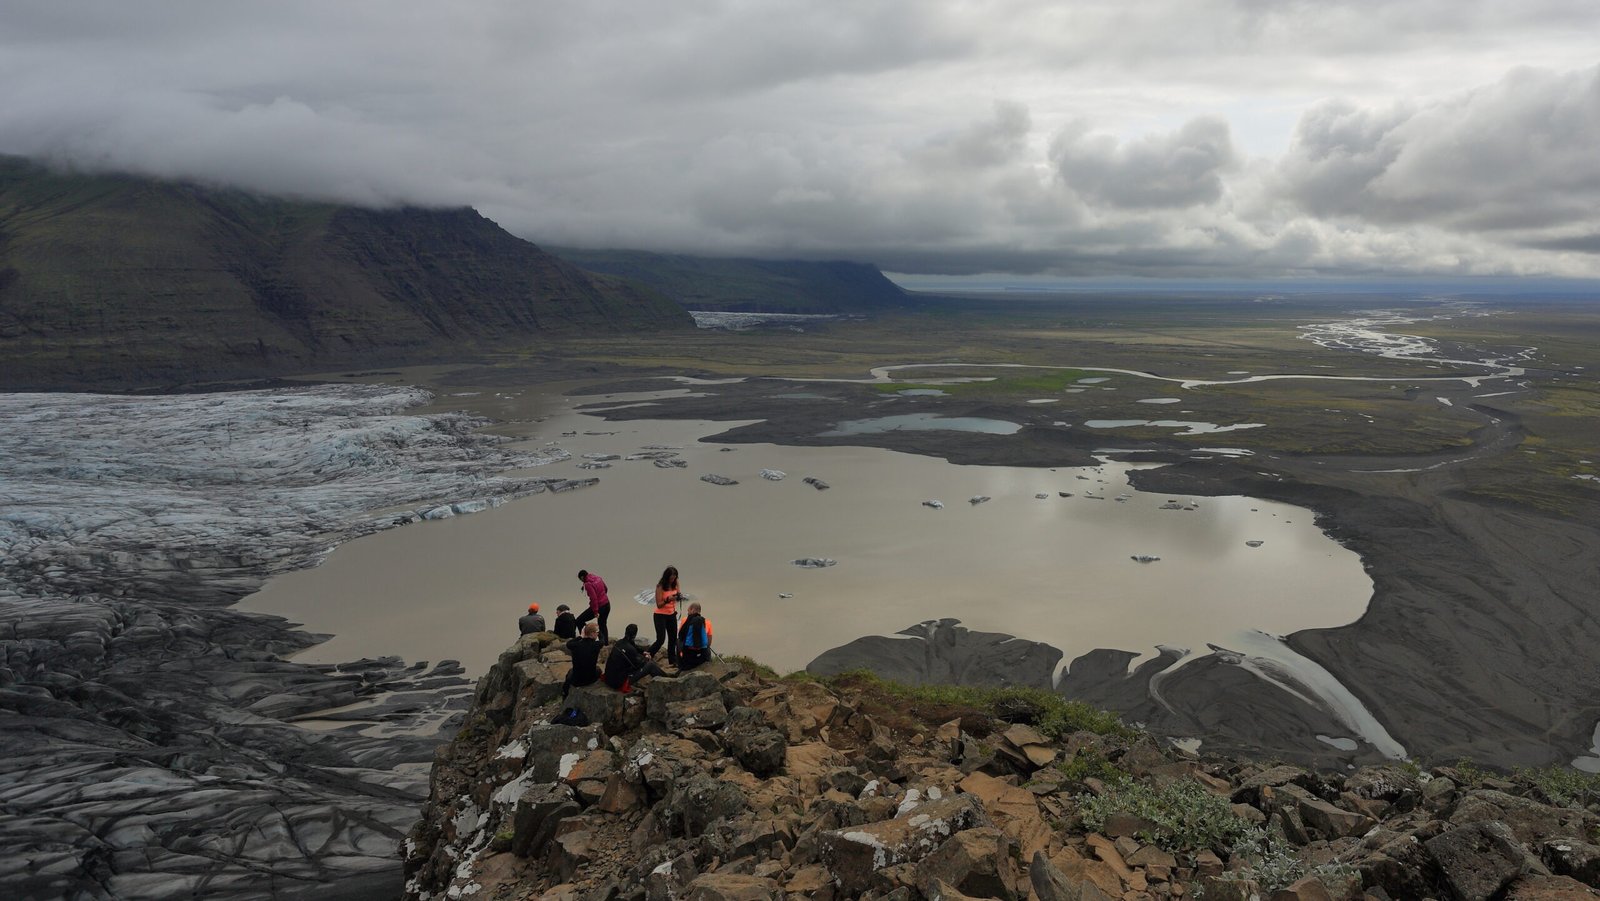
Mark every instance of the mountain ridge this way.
pixel 117 281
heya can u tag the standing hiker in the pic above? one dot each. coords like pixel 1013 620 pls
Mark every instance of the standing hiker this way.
pixel 599 603
pixel 695 638
pixel 666 615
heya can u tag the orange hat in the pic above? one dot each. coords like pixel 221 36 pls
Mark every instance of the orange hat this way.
pixel 533 608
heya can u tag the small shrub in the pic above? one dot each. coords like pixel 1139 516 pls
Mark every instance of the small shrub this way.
pixel 1186 816
pixel 1271 862
pixel 1563 785
pixel 750 665
pixel 1472 775
pixel 1086 763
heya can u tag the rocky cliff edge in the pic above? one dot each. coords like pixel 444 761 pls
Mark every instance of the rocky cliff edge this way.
pixel 730 783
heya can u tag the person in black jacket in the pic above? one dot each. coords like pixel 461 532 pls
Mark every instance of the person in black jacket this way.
pixel 531 622
pixel 585 653
pixel 566 624
pixel 629 663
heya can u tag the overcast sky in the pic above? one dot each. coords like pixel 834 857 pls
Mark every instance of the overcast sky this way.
pixel 1069 137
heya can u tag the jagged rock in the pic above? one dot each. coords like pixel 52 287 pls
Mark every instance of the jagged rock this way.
pixel 701 801
pixel 725 887
pixel 666 881
pixel 1219 889
pixel 975 861
pixel 661 693
pixel 538 812
pixel 1012 809
pixel 1478 861
pixel 855 854
pixel 571 852
pixel 706 712
pixel 761 751
pixel 605 707
pixel 1529 820
pixel 554 750
pixel 1575 858
pixel 1331 822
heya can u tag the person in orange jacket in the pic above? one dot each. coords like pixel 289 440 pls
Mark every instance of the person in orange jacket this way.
pixel 666 615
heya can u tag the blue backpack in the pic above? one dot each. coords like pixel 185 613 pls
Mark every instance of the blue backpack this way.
pixel 694 637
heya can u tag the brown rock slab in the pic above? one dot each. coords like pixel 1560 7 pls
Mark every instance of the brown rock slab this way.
pixel 728 887
pixel 1332 822
pixel 975 861
pixel 1550 888
pixel 1307 889
pixel 1015 810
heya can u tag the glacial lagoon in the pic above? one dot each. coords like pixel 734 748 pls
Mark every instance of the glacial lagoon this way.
pixel 1054 569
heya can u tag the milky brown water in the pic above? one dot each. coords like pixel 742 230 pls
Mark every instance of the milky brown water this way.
pixel 1056 570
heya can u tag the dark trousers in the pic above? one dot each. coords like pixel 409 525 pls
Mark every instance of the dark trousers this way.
pixel 605 613
pixel 666 634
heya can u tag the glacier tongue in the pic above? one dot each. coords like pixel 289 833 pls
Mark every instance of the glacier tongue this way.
pixel 146 731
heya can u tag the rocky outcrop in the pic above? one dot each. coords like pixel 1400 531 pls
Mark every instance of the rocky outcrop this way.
pixel 727 783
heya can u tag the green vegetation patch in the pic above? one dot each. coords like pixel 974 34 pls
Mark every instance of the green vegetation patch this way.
pixel 1183 815
pixel 1563 785
pixel 1051 714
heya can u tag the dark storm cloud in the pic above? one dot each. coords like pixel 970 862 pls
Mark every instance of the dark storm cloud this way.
pixel 1086 137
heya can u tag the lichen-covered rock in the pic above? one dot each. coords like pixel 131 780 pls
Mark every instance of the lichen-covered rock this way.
pixel 538 812
pixel 705 712
pixel 660 693
pixel 761 751
pixel 975 862
pixel 854 854
pixel 1479 860
pixel 552 751
pixel 701 801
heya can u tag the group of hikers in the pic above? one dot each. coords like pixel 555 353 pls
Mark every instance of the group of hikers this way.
pixel 687 643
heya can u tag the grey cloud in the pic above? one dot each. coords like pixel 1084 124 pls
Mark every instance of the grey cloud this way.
pixel 1519 154
pixel 1179 169
pixel 910 133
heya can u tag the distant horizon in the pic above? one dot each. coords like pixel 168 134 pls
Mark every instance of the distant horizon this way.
pixel 1022 285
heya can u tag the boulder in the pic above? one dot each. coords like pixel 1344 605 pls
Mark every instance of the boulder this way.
pixel 856 853
pixel 701 801
pixel 554 750
pixel 1528 820
pixel 975 862
pixel 536 815
pixel 706 712
pixel 1479 860
pixel 1331 822
pixel 729 887
pixel 605 707
pixel 1575 858
pixel 1050 884
pixel 661 692
pixel 1309 888
pixel 761 751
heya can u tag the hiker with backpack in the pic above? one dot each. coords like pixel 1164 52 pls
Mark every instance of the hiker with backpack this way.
pixel 585 651
pixel 694 638
pixel 628 663
pixel 666 615
pixel 599 603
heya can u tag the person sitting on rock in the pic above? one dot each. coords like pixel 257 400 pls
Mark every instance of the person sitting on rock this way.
pixel 628 663
pixel 531 622
pixel 585 653
pixel 566 623
pixel 694 639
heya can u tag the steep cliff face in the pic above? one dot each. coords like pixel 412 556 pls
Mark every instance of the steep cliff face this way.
pixel 766 286
pixel 120 281
pixel 728 783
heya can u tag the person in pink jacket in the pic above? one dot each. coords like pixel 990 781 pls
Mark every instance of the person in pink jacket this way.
pixel 599 603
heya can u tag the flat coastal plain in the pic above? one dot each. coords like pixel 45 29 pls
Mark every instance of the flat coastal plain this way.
pixel 1451 442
